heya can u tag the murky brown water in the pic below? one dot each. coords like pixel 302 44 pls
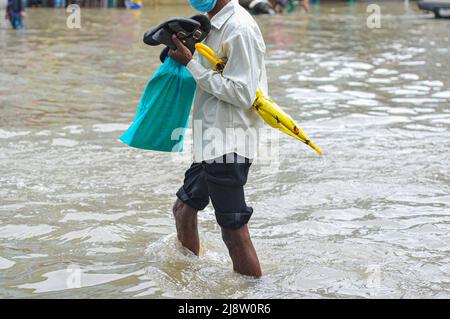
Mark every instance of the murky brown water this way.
pixel 371 218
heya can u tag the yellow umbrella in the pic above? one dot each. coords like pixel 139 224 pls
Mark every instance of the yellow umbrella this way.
pixel 271 113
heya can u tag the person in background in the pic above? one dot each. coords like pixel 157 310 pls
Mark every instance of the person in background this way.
pixel 279 5
pixel 15 12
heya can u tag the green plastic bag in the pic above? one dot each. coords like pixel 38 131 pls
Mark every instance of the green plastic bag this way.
pixel 163 112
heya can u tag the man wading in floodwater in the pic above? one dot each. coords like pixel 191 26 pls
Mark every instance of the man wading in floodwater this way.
pixel 223 106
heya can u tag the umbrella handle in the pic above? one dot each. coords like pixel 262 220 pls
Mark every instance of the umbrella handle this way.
pixel 208 53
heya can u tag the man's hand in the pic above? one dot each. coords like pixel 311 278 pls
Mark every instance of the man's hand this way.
pixel 182 54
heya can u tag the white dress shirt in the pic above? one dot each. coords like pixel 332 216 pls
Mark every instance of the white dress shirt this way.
pixel 223 119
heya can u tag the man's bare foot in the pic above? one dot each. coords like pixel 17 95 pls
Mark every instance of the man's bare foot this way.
pixel 186 224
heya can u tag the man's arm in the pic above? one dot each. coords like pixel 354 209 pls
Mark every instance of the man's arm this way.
pixel 240 78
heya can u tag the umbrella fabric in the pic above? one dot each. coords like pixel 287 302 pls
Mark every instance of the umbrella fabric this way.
pixel 163 112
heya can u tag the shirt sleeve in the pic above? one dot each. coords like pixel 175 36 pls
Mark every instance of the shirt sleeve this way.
pixel 240 78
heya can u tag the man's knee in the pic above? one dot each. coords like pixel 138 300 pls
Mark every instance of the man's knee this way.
pixel 177 205
pixel 235 237
pixel 181 208
pixel 227 237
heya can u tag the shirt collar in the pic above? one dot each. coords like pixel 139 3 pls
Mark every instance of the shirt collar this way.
pixel 222 16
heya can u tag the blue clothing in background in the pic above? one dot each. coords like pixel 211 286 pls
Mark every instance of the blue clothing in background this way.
pixel 59 3
pixel 17 22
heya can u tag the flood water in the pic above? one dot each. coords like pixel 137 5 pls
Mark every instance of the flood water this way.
pixel 369 218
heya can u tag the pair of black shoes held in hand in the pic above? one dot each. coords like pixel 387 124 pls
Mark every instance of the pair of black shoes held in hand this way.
pixel 189 30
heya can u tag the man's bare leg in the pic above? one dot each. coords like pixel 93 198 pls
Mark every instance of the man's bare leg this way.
pixel 186 223
pixel 242 252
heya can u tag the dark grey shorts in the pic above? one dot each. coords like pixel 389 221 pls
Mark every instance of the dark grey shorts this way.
pixel 223 181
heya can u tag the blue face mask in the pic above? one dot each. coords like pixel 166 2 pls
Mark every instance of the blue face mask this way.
pixel 203 5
